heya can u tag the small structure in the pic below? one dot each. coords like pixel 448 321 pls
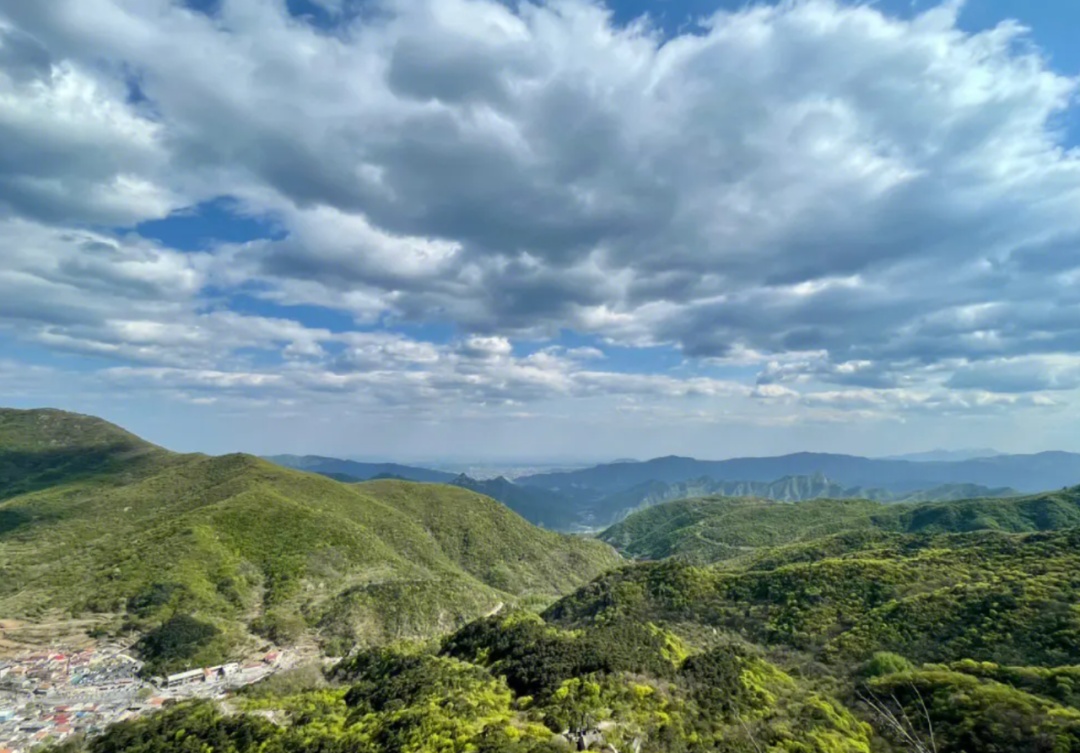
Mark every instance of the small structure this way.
pixel 185 678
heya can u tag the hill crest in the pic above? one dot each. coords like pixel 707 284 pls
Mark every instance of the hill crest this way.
pixel 249 547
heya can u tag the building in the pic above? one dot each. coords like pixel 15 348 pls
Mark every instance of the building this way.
pixel 185 678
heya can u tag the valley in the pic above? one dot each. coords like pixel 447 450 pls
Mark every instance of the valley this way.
pixel 263 608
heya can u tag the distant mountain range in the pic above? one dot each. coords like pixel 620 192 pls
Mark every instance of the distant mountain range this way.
pixel 596 497
pixel 946 455
pixel 788 489
pixel 1027 473
pixel 336 467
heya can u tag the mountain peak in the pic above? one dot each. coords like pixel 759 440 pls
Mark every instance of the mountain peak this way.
pixel 44 429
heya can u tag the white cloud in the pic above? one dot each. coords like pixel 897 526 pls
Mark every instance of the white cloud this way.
pixel 71 147
pixel 760 193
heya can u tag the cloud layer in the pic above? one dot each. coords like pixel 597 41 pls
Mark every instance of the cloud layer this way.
pixel 821 211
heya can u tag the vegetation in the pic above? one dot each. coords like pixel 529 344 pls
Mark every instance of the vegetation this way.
pixel 615 507
pixel 483 690
pixel 181 642
pixel 244 546
pixel 41 448
pixel 713 529
pixel 832 626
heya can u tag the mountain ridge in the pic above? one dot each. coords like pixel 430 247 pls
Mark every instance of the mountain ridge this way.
pixel 1027 473
pixel 249 547
pixel 713 529
pixel 330 466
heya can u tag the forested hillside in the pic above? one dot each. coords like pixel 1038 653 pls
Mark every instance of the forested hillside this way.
pixel 615 507
pixel 711 529
pixel 851 644
pixel 220 547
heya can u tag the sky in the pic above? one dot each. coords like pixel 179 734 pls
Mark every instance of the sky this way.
pixel 498 231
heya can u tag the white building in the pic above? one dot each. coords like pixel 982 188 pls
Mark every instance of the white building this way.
pixel 185 678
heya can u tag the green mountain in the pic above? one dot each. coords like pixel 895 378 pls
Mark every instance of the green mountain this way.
pixel 829 626
pixel 513 684
pixel 711 529
pixel 858 643
pixel 580 508
pixel 41 448
pixel 357 471
pixel 615 507
pixel 542 507
pixel 96 522
pixel 988 596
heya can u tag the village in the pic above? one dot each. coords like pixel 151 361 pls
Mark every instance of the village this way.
pixel 48 696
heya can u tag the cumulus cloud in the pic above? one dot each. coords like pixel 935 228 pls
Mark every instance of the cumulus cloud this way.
pixel 71 146
pixel 396 372
pixel 878 214
pixel 1019 375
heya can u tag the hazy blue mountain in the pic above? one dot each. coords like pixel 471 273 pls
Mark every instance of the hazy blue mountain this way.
pixel 596 497
pixel 617 506
pixel 540 506
pixel 946 456
pixel 1027 473
pixel 584 510
pixel 345 470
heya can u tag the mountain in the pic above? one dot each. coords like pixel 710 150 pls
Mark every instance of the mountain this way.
pixel 828 626
pixel 988 596
pixel 580 510
pixel 351 469
pixel 98 523
pixel 40 447
pixel 947 455
pixel 962 643
pixel 539 506
pixel 592 499
pixel 707 530
pixel 1028 473
pixel 615 507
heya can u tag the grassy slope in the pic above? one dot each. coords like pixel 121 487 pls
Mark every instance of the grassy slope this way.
pixel 234 538
pixel 712 529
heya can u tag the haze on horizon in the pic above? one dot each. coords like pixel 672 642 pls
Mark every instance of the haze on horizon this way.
pixel 419 229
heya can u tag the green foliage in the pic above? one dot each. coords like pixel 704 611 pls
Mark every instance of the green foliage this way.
pixel 281 626
pixel 289 682
pixel 536 659
pixel 1061 684
pixel 181 642
pixel 188 728
pixel 239 543
pixel 819 627
pixel 992 597
pixel 885 663
pixel 715 529
pixel 714 679
pixel 43 448
pixel 405 698
pixel 959 713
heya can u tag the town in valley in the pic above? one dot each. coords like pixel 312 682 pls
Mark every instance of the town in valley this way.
pixel 48 696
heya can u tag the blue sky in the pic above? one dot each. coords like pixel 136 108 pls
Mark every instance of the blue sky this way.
pixel 434 229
